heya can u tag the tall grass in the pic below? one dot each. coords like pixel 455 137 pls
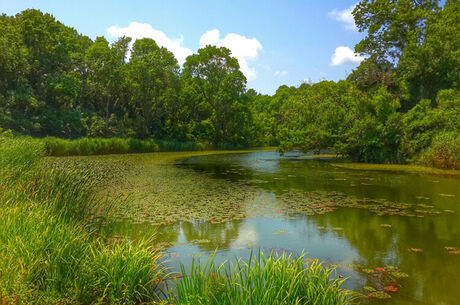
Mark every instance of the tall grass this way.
pixel 444 152
pixel 264 280
pixel 101 146
pixel 47 252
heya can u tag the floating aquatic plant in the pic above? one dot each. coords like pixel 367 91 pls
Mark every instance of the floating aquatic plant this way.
pixel 415 250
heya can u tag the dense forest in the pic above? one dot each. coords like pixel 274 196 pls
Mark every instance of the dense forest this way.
pixel 401 104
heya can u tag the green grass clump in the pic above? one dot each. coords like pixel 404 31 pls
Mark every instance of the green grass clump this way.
pixel 103 146
pixel 264 280
pixel 48 254
pixel 444 152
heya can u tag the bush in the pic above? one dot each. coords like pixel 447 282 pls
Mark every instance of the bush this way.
pixel 444 152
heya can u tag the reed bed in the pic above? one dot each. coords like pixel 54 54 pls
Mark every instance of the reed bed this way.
pixel 48 253
pixel 268 280
pixel 103 146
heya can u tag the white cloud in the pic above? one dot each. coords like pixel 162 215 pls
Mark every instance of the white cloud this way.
pixel 280 73
pixel 243 49
pixel 345 17
pixel 137 30
pixel 345 55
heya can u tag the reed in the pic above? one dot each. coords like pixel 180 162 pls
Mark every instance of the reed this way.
pixel 48 254
pixel 269 280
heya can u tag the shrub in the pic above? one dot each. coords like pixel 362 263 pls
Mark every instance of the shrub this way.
pixel 444 152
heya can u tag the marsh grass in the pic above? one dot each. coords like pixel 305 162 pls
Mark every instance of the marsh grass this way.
pixel 269 280
pixel 444 152
pixel 48 253
pixel 103 146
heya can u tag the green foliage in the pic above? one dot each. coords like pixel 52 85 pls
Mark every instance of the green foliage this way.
pixel 56 82
pixel 213 77
pixel 376 132
pixel 423 122
pixel 261 280
pixel 444 152
pixel 100 146
pixel 48 254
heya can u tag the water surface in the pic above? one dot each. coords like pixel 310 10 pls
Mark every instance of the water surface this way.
pixel 358 237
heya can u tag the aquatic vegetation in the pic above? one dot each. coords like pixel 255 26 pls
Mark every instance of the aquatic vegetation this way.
pixel 453 250
pixel 161 193
pixel 280 232
pixel 399 167
pixel 49 253
pixel 384 279
pixel 312 203
pixel 379 295
pixel 330 228
pixel 262 279
pixel 447 195
pixel 415 250
pixel 390 288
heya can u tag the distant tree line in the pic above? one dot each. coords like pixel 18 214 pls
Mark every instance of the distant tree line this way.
pixel 55 81
pixel 400 104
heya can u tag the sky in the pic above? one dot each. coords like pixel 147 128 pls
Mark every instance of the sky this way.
pixel 283 42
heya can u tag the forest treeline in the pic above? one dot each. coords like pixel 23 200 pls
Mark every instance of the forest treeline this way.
pixel 401 104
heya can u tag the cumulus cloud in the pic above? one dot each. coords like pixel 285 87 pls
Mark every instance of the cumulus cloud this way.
pixel 345 17
pixel 280 73
pixel 345 55
pixel 137 30
pixel 243 49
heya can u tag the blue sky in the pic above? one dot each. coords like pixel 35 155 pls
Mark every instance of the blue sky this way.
pixel 276 42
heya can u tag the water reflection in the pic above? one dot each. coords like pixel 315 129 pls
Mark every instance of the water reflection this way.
pixel 346 236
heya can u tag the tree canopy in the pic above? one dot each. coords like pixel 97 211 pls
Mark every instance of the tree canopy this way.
pixel 56 81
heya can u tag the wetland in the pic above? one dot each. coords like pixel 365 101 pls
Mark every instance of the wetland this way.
pixel 395 234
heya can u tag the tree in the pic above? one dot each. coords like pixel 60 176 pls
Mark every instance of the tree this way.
pixel 375 130
pixel 433 65
pixel 314 117
pixel 215 77
pixel 391 25
pixel 153 79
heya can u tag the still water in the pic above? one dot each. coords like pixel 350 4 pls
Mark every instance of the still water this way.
pixel 415 246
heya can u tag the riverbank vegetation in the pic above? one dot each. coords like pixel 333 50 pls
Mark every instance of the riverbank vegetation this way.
pixel 401 104
pixel 51 252
pixel 262 280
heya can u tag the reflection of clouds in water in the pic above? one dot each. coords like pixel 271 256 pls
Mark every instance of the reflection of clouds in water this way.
pixel 266 162
pixel 247 236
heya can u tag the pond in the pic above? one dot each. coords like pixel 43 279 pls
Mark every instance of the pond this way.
pixel 401 235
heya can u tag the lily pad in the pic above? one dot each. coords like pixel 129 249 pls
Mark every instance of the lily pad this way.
pixel 415 250
pixel 379 295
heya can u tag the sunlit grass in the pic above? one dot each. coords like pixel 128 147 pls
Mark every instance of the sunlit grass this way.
pixel 48 254
pixel 268 280
pixel 104 146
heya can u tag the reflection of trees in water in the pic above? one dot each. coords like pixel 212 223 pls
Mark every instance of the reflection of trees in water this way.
pixel 431 273
pixel 168 233
pixel 219 235
pixel 222 167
